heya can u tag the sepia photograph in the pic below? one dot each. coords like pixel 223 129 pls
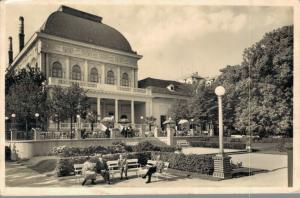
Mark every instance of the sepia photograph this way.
pixel 163 97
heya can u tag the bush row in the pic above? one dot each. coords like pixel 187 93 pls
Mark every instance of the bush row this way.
pixel 65 166
pixel 231 145
pixel 117 147
pixel 202 164
pixel 193 163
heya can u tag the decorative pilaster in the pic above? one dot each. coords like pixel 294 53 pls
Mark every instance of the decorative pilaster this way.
pixel 132 112
pixel 116 111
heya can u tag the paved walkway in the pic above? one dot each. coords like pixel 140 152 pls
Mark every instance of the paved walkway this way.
pixel 21 176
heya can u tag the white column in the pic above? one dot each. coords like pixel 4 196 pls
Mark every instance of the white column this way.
pixel 220 124
pixel 116 111
pixel 98 106
pixel 67 75
pixel 103 74
pixel 86 71
pixel 132 112
pixel 118 75
pixel 132 84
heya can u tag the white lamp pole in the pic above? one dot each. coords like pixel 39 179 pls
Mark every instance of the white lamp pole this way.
pixel 11 130
pixel 220 91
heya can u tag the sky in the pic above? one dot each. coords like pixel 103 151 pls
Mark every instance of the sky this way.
pixel 174 40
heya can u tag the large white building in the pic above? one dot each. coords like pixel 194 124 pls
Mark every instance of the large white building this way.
pixel 76 47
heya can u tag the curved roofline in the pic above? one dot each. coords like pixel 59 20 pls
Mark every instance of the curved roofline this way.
pixel 84 27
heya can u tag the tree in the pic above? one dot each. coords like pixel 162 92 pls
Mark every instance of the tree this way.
pixel 26 95
pixel 69 102
pixel 268 109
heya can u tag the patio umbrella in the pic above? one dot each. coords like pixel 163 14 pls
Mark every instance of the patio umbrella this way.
pixel 107 119
pixel 169 122
pixel 102 127
pixel 124 121
pixel 183 121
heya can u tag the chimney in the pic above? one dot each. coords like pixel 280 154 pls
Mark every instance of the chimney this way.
pixel 21 33
pixel 10 50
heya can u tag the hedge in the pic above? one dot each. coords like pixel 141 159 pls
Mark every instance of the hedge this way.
pixel 65 166
pixel 231 145
pixel 117 147
pixel 202 164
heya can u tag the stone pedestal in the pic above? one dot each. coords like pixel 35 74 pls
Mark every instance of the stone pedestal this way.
pixel 170 136
pixel 77 134
pixel 112 133
pixel 142 132
pixel 155 131
pixel 222 167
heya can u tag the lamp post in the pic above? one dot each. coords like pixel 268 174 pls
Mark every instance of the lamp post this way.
pixel 220 91
pixel 6 119
pixel 222 167
pixel 192 121
pixel 36 118
pixel 12 125
pixel 142 134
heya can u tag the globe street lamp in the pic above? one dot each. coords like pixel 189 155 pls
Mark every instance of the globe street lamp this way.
pixel 220 91
pixel 6 119
pixel 13 125
pixel 222 167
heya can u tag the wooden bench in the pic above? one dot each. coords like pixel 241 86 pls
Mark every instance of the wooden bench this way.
pixel 182 143
pixel 113 167
pixel 78 171
pixel 151 163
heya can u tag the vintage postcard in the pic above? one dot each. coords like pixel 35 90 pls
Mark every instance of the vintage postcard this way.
pixel 149 97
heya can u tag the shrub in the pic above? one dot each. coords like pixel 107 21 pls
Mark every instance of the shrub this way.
pixel 148 146
pixel 202 164
pixel 64 151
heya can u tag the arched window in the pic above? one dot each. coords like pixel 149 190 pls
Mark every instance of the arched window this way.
pixel 110 78
pixel 57 70
pixel 94 75
pixel 125 80
pixel 76 73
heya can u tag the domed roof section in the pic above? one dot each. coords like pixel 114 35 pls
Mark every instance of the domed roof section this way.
pixel 84 27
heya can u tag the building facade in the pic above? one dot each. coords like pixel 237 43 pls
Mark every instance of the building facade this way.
pixel 76 47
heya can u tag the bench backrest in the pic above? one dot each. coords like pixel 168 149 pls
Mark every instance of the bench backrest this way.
pixel 112 163
pixel 78 168
pixel 151 162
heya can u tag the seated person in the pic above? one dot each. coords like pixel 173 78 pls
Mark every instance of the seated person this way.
pixel 155 168
pixel 107 133
pixel 123 166
pixel 102 169
pixel 88 171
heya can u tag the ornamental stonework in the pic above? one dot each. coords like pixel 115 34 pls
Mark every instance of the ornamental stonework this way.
pixel 88 53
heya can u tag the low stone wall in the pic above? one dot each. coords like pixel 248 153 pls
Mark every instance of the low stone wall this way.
pixel 29 148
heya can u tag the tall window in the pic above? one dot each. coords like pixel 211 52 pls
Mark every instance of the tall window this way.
pixel 110 79
pixel 56 70
pixel 125 80
pixel 76 73
pixel 94 75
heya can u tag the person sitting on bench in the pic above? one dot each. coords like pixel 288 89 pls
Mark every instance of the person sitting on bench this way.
pixel 157 167
pixel 102 169
pixel 88 171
